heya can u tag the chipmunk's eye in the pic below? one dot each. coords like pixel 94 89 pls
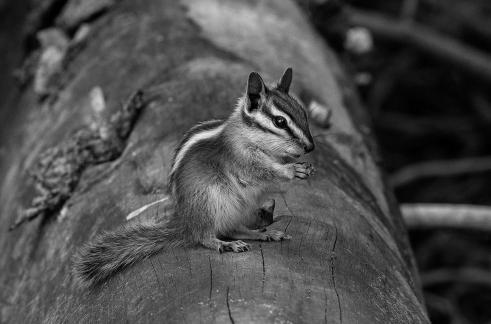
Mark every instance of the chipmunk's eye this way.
pixel 279 122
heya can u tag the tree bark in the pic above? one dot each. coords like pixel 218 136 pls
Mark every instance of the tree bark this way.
pixel 349 260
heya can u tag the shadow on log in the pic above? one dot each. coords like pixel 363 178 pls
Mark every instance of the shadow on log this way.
pixel 349 260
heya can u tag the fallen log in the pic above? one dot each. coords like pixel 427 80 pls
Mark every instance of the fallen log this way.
pixel 349 260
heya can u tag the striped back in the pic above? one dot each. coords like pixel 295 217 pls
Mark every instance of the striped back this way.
pixel 200 132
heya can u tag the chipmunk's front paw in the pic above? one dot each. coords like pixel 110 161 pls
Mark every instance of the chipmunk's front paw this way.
pixel 303 170
pixel 235 246
pixel 273 235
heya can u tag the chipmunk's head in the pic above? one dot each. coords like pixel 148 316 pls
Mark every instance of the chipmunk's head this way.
pixel 277 122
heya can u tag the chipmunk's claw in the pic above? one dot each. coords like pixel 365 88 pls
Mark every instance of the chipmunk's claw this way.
pixel 303 170
pixel 239 246
pixel 234 246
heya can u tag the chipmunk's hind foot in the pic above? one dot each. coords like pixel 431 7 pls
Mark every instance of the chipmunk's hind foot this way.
pixel 274 235
pixel 226 246
pixel 235 246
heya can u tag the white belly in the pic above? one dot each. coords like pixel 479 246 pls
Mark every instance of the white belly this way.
pixel 233 208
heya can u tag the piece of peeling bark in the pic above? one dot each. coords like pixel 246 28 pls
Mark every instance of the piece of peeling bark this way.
pixel 54 46
pixel 58 169
pixel 76 12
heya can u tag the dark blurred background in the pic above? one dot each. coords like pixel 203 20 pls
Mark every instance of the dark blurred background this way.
pixel 422 68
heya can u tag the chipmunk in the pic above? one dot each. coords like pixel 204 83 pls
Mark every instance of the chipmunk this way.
pixel 220 171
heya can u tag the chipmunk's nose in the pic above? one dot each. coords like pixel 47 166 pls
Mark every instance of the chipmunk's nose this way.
pixel 309 147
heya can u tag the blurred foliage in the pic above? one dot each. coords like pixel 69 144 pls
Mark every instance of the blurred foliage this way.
pixel 425 109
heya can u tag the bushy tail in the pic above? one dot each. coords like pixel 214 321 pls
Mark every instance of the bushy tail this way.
pixel 112 252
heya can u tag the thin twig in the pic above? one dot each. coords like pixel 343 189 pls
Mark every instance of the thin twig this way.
pixel 447 216
pixel 145 207
pixel 439 168
pixel 425 39
pixel 465 275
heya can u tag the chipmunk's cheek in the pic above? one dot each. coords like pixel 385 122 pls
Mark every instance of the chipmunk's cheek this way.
pixel 291 150
pixel 297 150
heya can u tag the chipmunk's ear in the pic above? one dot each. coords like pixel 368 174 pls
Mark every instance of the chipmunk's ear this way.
pixel 255 89
pixel 285 81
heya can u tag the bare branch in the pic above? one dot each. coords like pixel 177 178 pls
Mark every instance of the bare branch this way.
pixel 447 216
pixel 440 168
pixel 465 275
